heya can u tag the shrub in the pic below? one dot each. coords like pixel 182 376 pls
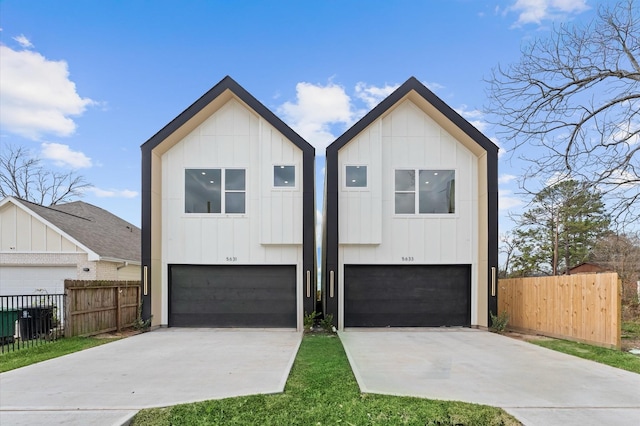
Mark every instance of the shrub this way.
pixel 499 322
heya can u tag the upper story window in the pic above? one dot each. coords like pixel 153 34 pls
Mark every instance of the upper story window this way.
pixel 284 176
pixel 425 191
pixel 355 176
pixel 215 191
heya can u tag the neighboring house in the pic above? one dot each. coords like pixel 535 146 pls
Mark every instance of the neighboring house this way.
pixel 42 246
pixel 411 217
pixel 588 267
pixel 228 217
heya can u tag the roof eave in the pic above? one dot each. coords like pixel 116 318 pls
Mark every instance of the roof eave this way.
pixel 91 255
pixel 217 91
pixel 404 91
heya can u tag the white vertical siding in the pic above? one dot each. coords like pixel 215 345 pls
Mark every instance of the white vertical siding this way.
pixel 233 137
pixel 369 230
pixel 406 138
pixel 281 221
pixel 21 232
pixel 361 218
pixel 270 231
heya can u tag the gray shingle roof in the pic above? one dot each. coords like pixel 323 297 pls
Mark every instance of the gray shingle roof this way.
pixel 103 232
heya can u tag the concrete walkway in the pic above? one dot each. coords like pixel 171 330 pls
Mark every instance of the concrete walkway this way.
pixel 536 385
pixel 107 385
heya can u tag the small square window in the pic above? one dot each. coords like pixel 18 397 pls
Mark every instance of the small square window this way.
pixel 234 180
pixel 356 176
pixel 284 176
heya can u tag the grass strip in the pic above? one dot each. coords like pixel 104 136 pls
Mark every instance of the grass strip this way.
pixel 611 357
pixel 630 329
pixel 26 356
pixel 322 390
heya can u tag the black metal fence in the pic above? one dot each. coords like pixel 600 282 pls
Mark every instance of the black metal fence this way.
pixel 30 320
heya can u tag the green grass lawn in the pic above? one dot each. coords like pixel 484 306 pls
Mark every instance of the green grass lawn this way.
pixel 612 357
pixel 631 329
pixel 26 356
pixel 322 390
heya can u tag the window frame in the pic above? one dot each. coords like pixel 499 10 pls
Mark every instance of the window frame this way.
pixel 345 187
pixel 416 192
pixel 295 177
pixel 223 192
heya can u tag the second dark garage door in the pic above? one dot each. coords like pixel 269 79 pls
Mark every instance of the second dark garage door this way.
pixel 407 295
pixel 232 296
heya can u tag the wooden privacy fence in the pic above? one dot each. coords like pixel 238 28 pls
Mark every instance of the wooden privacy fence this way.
pixel 584 307
pixel 94 307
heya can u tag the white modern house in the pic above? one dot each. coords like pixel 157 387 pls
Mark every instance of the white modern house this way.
pixel 410 226
pixel 41 246
pixel 228 217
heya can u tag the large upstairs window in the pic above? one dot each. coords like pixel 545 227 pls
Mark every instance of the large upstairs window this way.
pixel 424 191
pixel 215 191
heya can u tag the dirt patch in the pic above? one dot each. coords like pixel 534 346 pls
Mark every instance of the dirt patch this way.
pixel 631 325
pixel 627 343
pixel 524 336
pixel 118 334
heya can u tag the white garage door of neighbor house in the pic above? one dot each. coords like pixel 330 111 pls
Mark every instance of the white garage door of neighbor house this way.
pixel 18 280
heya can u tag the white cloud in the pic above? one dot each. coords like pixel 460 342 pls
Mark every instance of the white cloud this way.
pixel 23 41
pixel 316 108
pixel 506 200
pixel 112 193
pixel 473 116
pixel 536 11
pixel 555 178
pixel 37 96
pixel 628 132
pixel 63 156
pixel 433 86
pixel 506 178
pixel 372 95
pixel 623 179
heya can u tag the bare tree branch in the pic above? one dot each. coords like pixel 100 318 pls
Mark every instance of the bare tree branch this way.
pixel 573 100
pixel 23 176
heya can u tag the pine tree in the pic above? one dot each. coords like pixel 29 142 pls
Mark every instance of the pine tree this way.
pixel 560 230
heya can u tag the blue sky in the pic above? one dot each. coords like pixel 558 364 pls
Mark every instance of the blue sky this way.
pixel 85 83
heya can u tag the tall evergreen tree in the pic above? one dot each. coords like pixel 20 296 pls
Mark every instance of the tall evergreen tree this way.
pixel 560 230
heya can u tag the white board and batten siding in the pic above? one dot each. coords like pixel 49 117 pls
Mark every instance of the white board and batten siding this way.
pixel 21 232
pixel 270 231
pixel 369 230
pixel 34 258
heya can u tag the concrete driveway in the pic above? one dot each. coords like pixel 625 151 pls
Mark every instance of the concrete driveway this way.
pixel 107 385
pixel 536 385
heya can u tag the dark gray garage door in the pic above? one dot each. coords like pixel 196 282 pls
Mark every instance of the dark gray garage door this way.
pixel 232 296
pixel 407 296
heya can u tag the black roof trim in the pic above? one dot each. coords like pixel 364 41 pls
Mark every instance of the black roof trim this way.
pixel 213 93
pixel 413 84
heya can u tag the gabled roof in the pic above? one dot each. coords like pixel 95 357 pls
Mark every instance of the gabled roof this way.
pixel 412 84
pixel 226 84
pixel 94 228
pixel 592 264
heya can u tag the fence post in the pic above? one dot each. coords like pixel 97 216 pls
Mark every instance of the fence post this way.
pixel 119 309
pixel 68 319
